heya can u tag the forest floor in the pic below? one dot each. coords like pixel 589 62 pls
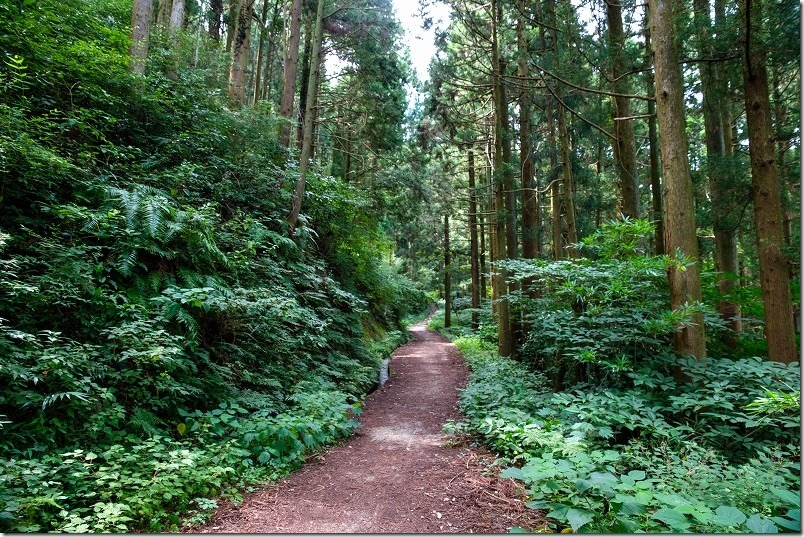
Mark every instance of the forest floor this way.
pixel 399 473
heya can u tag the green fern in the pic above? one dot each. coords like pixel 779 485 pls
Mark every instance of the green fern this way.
pixel 55 397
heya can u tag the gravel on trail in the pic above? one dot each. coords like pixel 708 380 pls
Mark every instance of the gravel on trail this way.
pixel 399 473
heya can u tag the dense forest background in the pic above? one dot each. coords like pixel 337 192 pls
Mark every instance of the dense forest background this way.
pixel 214 217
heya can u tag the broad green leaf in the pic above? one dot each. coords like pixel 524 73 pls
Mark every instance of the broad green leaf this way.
pixel 672 518
pixel 559 512
pixel 792 525
pixel 513 472
pixel 637 475
pixel 787 496
pixel 671 499
pixel 517 529
pixel 583 485
pixel 760 524
pixel 632 508
pixel 726 515
pixel 603 480
pixel 577 518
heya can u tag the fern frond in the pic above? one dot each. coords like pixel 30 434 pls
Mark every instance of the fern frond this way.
pixel 55 397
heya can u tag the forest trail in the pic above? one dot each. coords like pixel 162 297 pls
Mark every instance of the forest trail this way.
pixel 399 473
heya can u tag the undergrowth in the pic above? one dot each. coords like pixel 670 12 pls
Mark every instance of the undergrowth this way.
pixel 627 460
pixel 609 429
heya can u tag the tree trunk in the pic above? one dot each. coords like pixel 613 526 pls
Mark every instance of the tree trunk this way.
pixel 177 15
pixel 307 141
pixel 237 71
pixel 482 220
pixel 215 19
pixel 447 276
pixel 505 342
pixel 291 66
pixel 260 48
pixel 568 184
pixel 231 24
pixel 624 145
pixel 140 35
pixel 474 251
pixel 269 61
pixel 679 229
pixel 163 13
pixel 653 144
pixel 530 204
pixel 567 201
pixel 714 93
pixel 768 213
pixel 305 61
pixel 555 186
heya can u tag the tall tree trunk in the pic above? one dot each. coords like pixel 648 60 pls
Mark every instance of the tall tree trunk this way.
pixel 231 24
pixel 680 229
pixel 530 204
pixel 291 66
pixel 305 61
pixel 260 48
pixel 140 35
pixel 269 61
pixel 568 184
pixel 768 213
pixel 624 144
pixel 555 187
pixel 177 15
pixel 163 13
pixel 653 145
pixel 307 141
pixel 713 91
pixel 237 70
pixel 215 19
pixel 474 251
pixel 483 206
pixel 567 200
pixel 447 275
pixel 505 341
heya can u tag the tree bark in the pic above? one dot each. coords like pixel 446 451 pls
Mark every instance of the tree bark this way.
pixel 568 184
pixel 505 342
pixel 140 35
pixel 163 13
pixel 177 15
pixel 624 145
pixel 307 141
pixel 260 48
pixel 474 250
pixel 231 24
pixel 680 229
pixel 555 187
pixel 215 19
pixel 305 61
pixel 269 61
pixel 447 275
pixel 653 144
pixel 291 66
pixel 530 204
pixel 237 70
pixel 713 92
pixel 766 190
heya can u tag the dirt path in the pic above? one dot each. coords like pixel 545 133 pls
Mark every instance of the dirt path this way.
pixel 398 473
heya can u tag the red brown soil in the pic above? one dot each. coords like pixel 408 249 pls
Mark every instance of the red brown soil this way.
pixel 399 473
